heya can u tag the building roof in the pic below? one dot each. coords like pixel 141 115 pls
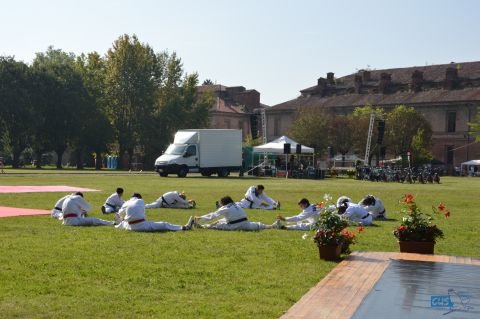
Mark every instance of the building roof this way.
pixel 362 88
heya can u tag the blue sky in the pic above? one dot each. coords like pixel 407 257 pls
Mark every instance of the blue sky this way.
pixel 276 47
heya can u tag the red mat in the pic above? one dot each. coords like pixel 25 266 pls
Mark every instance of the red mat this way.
pixel 12 211
pixel 41 189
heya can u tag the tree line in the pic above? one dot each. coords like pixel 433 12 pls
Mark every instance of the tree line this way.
pixel 404 130
pixel 129 101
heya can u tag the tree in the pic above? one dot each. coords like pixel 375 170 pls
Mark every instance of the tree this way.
pixel 361 123
pixel 133 73
pixel 404 124
pixel 207 82
pixel 475 126
pixel 63 111
pixel 98 131
pixel 341 134
pixel 16 109
pixel 311 127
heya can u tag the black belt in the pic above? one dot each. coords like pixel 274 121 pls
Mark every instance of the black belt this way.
pixel 366 216
pixel 238 221
pixel 251 202
pixel 164 201
pixel 382 212
pixel 58 208
pixel 113 206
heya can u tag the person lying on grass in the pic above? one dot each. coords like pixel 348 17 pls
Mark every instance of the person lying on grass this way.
pixel 229 216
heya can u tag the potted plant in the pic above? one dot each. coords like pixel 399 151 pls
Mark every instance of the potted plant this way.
pixel 331 234
pixel 417 233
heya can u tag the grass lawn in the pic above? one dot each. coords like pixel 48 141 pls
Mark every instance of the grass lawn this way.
pixel 52 271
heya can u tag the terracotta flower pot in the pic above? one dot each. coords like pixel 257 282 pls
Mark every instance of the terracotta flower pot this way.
pixel 330 252
pixel 417 247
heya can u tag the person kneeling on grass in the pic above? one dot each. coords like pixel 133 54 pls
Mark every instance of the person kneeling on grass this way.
pixel 172 200
pixel 374 206
pixel 304 221
pixel 132 217
pixel 113 202
pixel 229 216
pixel 354 213
pixel 74 209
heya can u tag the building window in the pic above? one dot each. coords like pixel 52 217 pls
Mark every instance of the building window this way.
pixel 451 121
pixel 449 155
pixel 276 127
pixel 227 123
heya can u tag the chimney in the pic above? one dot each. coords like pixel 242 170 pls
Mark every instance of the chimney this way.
pixel 417 81
pixel 385 81
pixel 321 86
pixel 358 83
pixel 330 78
pixel 451 79
pixel 367 76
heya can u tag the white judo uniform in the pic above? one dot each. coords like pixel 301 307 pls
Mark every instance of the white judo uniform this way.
pixel 230 217
pixel 169 200
pixel 57 209
pixel 251 200
pixel 113 203
pixel 357 214
pixel 377 210
pixel 305 219
pixel 74 207
pixel 133 214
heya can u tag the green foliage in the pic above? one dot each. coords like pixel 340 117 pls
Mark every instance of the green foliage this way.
pixel 475 126
pixel 402 125
pixel 310 128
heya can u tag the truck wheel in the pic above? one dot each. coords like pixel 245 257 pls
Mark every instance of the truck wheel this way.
pixel 163 174
pixel 183 171
pixel 223 172
pixel 206 172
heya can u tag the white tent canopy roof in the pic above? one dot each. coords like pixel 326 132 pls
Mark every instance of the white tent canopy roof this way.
pixel 471 163
pixel 276 146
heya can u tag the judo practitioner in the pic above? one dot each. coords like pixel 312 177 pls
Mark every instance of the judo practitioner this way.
pixel 229 216
pixel 172 200
pixel 74 209
pixel 304 221
pixel 113 202
pixel 354 213
pixel 256 198
pixel 131 216
pixel 57 209
pixel 374 206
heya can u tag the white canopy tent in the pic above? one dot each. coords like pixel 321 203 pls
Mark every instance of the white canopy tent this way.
pixel 465 166
pixel 276 146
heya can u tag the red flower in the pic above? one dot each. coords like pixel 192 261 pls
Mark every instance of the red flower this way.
pixel 402 228
pixel 447 213
pixel 441 207
pixel 360 228
pixel 408 198
pixel 321 205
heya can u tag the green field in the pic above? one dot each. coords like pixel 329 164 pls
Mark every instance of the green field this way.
pixel 52 271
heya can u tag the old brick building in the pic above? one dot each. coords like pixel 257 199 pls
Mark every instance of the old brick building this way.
pixel 235 108
pixel 448 95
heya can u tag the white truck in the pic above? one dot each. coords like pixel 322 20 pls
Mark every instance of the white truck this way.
pixel 208 151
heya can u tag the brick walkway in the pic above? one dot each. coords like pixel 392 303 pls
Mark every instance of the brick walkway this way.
pixel 342 291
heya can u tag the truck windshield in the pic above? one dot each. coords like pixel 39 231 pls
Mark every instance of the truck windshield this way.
pixel 175 149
